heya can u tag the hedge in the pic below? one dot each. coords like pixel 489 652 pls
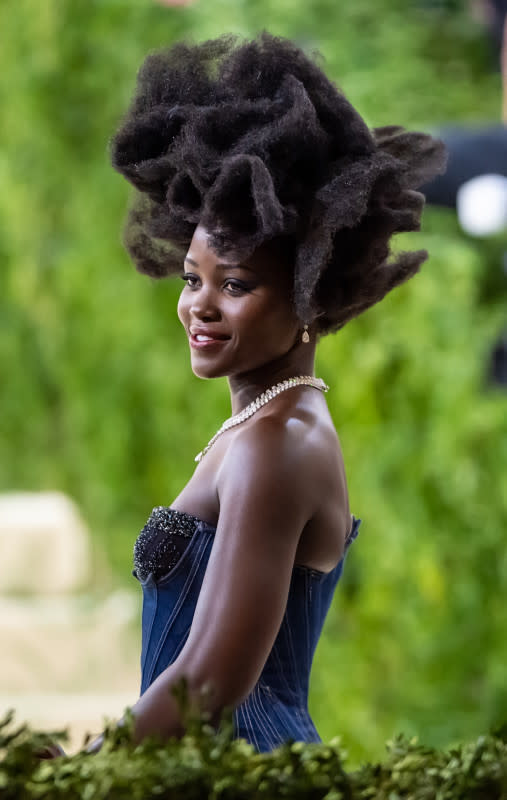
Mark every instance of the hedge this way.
pixel 210 764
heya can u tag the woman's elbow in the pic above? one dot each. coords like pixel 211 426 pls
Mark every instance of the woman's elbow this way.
pixel 213 690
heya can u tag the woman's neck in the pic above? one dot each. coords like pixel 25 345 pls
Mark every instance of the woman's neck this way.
pixel 247 386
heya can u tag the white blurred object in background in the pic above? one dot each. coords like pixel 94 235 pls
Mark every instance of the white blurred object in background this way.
pixel 70 652
pixel 482 205
pixel 44 544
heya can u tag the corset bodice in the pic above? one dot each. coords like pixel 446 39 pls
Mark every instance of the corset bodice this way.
pixel 170 559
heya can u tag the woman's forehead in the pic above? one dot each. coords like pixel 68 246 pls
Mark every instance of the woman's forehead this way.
pixel 266 258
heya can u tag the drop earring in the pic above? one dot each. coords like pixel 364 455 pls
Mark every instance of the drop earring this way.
pixel 306 336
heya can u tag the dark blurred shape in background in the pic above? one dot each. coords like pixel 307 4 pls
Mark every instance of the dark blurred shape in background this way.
pixel 475 183
pixel 473 152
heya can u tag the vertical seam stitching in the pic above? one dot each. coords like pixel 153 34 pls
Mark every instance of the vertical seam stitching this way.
pixel 181 599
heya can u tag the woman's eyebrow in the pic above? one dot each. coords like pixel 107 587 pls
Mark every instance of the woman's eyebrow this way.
pixel 220 266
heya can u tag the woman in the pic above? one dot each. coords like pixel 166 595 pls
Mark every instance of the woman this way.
pixel 259 182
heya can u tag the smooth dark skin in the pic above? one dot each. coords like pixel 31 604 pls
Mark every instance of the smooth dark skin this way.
pixel 274 486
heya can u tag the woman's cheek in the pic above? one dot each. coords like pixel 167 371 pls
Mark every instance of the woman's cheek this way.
pixel 182 310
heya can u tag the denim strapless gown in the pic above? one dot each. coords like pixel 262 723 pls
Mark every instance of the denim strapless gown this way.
pixel 170 559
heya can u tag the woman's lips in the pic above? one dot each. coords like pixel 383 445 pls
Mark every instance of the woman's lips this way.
pixel 201 341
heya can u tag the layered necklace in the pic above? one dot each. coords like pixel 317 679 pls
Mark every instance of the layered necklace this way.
pixel 261 400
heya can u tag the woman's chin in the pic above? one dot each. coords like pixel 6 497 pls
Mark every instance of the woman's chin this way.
pixel 206 371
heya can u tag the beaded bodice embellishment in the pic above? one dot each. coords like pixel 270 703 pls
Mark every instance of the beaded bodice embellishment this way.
pixel 165 537
pixel 162 541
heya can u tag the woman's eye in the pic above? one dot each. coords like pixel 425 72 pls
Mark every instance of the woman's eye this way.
pixel 190 280
pixel 234 287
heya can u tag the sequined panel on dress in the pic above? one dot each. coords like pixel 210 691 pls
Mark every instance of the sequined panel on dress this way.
pixel 162 541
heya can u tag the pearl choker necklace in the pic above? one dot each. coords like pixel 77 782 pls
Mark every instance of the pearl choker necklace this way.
pixel 261 400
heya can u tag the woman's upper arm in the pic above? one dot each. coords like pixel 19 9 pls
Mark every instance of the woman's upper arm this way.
pixel 264 507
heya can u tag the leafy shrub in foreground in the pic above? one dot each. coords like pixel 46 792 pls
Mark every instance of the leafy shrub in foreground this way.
pixel 209 764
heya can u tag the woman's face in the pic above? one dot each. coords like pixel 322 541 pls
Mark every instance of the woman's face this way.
pixel 238 317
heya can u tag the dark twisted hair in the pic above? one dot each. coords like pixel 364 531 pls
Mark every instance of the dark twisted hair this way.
pixel 253 141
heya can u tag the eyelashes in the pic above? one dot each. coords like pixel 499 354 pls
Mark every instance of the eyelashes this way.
pixel 232 285
pixel 188 279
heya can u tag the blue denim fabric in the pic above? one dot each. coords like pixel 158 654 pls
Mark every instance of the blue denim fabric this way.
pixel 277 707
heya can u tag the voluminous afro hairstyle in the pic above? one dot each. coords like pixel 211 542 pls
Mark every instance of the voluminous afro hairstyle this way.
pixel 253 141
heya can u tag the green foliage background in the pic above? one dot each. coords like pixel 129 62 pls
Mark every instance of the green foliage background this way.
pixel 97 397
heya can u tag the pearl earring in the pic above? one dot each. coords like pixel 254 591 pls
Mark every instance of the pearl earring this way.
pixel 306 336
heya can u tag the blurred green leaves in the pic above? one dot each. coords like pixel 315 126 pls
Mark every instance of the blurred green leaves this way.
pixel 207 764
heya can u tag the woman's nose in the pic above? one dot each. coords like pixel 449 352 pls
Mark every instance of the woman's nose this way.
pixel 204 305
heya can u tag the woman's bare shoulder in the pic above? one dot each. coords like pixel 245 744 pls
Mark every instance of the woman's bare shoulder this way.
pixel 281 456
